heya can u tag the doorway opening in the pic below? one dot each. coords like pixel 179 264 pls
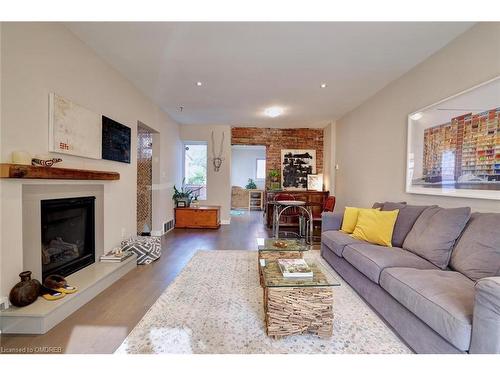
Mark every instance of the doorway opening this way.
pixel 145 174
pixel 248 177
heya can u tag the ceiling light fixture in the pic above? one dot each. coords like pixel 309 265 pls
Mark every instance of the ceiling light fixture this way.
pixel 416 116
pixel 323 85
pixel 199 83
pixel 273 111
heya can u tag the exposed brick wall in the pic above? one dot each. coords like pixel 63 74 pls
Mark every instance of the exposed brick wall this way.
pixel 277 139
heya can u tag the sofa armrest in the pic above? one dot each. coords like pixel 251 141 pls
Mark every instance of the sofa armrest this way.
pixel 486 319
pixel 331 221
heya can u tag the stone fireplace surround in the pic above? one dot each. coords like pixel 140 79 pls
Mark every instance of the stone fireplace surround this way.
pixel 32 195
pixel 22 251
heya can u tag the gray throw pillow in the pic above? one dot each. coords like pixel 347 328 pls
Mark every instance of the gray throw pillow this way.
pixel 407 216
pixel 381 204
pixel 477 253
pixel 435 232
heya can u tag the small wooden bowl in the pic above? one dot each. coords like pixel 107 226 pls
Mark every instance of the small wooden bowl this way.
pixel 280 244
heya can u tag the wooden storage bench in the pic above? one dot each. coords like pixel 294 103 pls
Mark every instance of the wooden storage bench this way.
pixel 198 217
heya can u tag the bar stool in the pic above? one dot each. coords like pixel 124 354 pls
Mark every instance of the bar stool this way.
pixel 300 208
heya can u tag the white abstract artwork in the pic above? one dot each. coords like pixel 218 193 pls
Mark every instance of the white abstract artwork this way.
pixel 73 129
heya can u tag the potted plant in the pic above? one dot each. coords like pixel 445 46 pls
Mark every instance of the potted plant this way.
pixel 251 184
pixel 185 195
pixel 274 176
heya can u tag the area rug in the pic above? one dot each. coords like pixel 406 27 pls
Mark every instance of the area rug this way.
pixel 215 306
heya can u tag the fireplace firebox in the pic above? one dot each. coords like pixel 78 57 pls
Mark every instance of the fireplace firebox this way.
pixel 68 235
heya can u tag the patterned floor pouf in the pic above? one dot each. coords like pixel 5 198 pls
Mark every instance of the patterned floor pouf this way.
pixel 147 249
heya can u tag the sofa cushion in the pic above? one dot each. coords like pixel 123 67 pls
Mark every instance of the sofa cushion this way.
pixel 408 215
pixel 371 260
pixel 337 240
pixel 435 232
pixel 477 253
pixel 444 300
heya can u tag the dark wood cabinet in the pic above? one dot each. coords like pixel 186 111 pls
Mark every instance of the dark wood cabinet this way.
pixel 198 217
pixel 314 198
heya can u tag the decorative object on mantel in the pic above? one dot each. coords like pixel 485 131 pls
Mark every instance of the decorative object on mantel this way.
pixel 217 159
pixel 26 291
pixel 28 171
pixel 37 162
pixel 21 157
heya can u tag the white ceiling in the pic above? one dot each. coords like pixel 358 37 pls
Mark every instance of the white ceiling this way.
pixel 246 67
pixel 483 98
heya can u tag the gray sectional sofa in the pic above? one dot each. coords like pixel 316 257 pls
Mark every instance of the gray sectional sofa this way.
pixel 438 287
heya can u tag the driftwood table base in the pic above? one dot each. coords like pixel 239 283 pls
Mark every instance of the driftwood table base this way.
pixel 298 310
pixel 275 255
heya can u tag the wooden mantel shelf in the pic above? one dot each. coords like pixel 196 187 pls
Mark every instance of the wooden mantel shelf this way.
pixel 28 171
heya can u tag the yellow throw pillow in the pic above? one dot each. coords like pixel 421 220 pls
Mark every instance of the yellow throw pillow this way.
pixel 375 226
pixel 351 218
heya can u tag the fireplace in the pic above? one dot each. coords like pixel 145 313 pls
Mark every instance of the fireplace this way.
pixel 68 235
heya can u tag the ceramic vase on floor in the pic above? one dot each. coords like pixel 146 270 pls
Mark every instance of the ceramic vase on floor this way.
pixel 26 291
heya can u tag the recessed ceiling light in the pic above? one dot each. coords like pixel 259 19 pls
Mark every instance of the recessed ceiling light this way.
pixel 273 111
pixel 416 116
pixel 199 83
pixel 323 85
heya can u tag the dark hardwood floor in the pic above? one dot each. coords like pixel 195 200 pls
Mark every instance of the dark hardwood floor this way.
pixel 101 325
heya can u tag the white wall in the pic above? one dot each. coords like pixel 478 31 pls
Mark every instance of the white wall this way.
pixel 1 194
pixel 39 58
pixel 371 140
pixel 244 165
pixel 329 157
pixel 218 183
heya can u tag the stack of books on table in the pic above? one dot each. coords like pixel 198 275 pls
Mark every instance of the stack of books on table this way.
pixel 112 257
pixel 295 268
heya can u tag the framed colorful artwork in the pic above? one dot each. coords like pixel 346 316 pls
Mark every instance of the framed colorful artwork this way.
pixel 454 145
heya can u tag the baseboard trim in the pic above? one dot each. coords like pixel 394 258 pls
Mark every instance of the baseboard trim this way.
pixel 225 222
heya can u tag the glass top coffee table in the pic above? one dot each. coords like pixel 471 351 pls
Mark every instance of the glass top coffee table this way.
pixel 278 248
pixel 273 278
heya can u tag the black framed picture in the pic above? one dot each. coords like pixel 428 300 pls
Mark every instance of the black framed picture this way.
pixel 181 204
pixel 115 141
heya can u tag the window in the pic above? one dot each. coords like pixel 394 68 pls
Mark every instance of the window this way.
pixel 260 173
pixel 195 168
